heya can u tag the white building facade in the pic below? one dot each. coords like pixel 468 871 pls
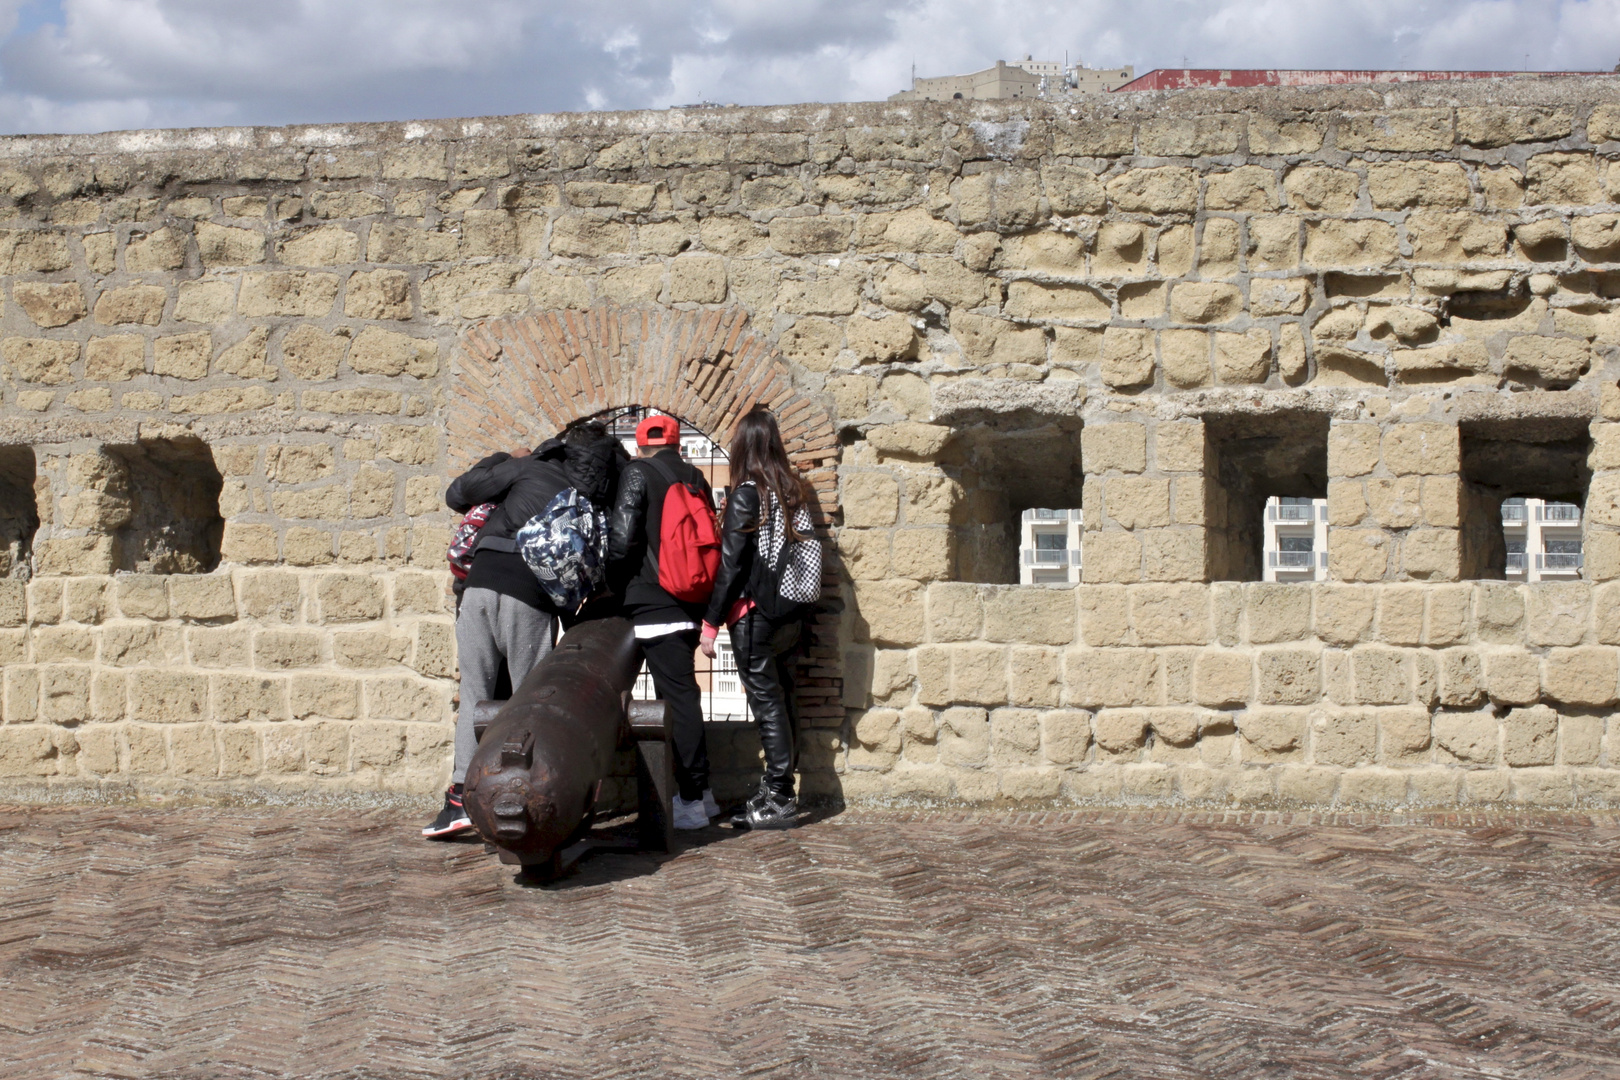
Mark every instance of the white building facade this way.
pixel 1295 544
pixel 1543 539
pixel 1049 547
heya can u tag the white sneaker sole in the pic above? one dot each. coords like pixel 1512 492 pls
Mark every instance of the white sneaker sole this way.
pixel 461 824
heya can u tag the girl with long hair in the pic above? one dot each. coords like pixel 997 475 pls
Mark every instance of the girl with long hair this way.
pixel 766 516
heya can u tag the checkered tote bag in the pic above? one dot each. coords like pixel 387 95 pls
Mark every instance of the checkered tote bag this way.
pixel 794 565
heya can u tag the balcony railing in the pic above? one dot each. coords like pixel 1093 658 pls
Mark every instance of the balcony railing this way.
pixel 1295 512
pixel 1297 560
pixel 1051 557
pixel 1559 512
pixel 1515 561
pixel 1558 560
pixel 1513 512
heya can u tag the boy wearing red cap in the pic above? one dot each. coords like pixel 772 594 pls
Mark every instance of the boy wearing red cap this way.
pixel 666 628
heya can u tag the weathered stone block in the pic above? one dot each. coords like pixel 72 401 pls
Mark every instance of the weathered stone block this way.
pixel 892 612
pixel 1581 676
pixel 1272 734
pixel 1028 614
pixel 1114 557
pixel 1114 446
pixel 167 697
pixel 290 293
pixel 1288 676
pixel 1223 678
pixel 1164 190
pixel 870 499
pixel 1111 677
pixel 202 597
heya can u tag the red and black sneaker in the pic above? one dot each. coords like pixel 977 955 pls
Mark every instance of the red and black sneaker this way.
pixel 452 819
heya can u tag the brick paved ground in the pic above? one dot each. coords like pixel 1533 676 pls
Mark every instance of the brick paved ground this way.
pixel 226 943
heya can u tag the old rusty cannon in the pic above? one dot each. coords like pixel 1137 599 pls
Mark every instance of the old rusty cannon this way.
pixel 532 784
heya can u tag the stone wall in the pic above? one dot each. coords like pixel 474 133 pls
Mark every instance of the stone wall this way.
pixel 238 367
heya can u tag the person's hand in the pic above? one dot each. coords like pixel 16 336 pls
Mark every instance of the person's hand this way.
pixel 706 646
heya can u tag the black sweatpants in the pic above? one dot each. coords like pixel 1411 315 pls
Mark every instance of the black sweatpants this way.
pixel 669 661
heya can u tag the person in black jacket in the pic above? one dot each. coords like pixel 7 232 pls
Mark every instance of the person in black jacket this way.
pixel 504 618
pixel 765 493
pixel 666 628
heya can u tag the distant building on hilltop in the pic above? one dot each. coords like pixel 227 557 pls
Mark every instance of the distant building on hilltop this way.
pixel 1193 78
pixel 1056 80
pixel 1026 78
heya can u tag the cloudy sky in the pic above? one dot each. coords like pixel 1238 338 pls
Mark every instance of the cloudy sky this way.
pixel 97 65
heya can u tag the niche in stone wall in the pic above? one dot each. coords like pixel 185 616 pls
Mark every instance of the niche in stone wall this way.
pixel 1006 466
pixel 1524 486
pixel 172 524
pixel 19 511
pixel 1250 458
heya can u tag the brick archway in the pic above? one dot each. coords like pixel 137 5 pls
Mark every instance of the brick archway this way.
pixel 523 378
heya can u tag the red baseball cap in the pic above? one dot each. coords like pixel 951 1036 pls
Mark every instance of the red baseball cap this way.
pixel 658 431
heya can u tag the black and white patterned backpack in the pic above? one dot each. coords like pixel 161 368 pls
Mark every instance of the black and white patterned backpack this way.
pixel 791 569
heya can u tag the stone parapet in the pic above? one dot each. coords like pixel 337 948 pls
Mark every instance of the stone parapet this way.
pixel 242 678
pixel 1398 694
pixel 238 368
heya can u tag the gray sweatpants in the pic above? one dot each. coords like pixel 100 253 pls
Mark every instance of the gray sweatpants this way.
pixel 491 627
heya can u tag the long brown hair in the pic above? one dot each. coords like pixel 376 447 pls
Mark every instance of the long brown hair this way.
pixel 757 454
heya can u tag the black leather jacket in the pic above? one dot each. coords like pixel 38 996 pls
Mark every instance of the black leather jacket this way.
pixel 629 516
pixel 738 546
pixel 633 537
pixel 525 485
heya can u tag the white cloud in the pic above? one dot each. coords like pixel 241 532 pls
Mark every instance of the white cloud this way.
pixel 119 63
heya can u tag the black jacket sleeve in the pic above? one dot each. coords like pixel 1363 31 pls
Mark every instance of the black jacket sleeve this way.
pixel 737 547
pixel 485 482
pixel 625 527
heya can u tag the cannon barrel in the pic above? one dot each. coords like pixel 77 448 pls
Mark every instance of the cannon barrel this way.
pixel 533 780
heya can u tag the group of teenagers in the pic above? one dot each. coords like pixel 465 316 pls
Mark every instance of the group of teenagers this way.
pixel 760 560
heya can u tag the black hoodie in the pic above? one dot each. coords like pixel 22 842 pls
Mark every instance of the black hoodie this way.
pixel 523 487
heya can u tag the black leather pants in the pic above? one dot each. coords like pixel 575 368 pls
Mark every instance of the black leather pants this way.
pixel 764 668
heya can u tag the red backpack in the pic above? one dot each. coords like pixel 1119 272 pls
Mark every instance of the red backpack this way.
pixel 688 540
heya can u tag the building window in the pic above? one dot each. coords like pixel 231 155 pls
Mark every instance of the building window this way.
pixel 1524 483
pixel 1049 547
pixel 1542 539
pixel 19 512
pixel 1266 481
pixel 1295 539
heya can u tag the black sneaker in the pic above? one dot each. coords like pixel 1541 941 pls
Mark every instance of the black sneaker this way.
pixel 452 819
pixel 766 810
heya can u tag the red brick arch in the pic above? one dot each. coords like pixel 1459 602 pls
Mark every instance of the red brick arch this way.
pixel 522 378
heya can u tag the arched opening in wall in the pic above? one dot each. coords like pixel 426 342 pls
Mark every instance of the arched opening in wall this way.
pixel 527 375
pixel 1266 483
pixel 171 488
pixel 722 693
pixel 1019 515
pixel 19 511
pixel 1524 487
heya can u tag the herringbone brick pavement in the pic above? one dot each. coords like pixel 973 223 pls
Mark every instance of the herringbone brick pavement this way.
pixel 235 943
